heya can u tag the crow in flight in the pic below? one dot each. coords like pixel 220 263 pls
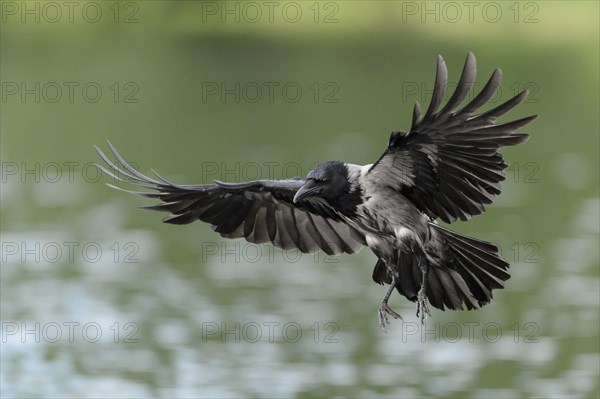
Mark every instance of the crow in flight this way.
pixel 446 166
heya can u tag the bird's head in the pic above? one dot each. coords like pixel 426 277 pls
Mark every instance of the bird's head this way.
pixel 329 180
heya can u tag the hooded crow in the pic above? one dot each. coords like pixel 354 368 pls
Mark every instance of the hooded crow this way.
pixel 447 167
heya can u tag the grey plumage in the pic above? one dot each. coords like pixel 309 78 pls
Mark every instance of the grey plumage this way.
pixel 446 166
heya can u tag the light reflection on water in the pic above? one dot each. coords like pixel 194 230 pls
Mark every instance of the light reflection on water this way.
pixel 194 323
pixel 169 305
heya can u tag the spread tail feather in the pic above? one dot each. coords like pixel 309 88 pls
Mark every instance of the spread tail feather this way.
pixel 462 271
pixel 466 271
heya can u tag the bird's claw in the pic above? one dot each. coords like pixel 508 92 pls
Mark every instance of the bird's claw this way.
pixel 382 313
pixel 422 308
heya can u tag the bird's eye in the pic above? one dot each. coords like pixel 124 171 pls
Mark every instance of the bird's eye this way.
pixel 325 180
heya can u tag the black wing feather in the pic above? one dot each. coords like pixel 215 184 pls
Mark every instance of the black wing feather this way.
pixel 449 165
pixel 259 211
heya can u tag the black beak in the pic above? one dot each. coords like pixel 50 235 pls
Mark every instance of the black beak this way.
pixel 309 188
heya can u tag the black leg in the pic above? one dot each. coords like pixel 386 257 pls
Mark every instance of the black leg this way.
pixel 384 309
pixel 422 308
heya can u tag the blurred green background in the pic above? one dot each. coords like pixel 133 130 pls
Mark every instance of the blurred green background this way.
pixel 102 300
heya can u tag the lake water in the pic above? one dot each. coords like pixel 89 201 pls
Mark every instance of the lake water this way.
pixel 99 299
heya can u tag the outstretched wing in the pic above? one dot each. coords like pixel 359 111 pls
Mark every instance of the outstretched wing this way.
pixel 448 165
pixel 259 211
